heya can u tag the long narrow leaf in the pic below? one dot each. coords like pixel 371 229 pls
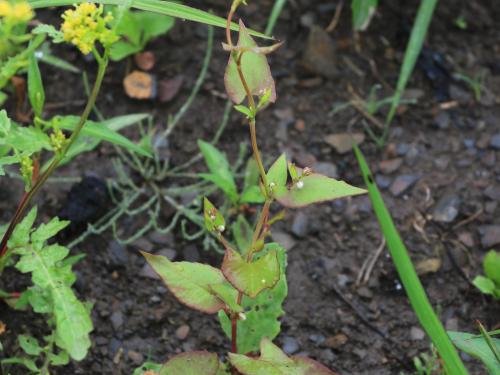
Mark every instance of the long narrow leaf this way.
pixel 168 8
pixel 413 287
pixel 418 32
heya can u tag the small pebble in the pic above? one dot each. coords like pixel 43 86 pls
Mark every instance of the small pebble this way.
pixel 495 141
pixel 290 345
pixel 447 209
pixel 182 332
pixel 402 183
pixel 417 334
pixel 300 225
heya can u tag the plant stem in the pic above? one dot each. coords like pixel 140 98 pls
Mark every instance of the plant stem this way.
pixel 28 196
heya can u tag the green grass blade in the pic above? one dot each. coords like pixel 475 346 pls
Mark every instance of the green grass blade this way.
pixel 418 32
pixel 168 8
pixel 414 289
pixel 275 13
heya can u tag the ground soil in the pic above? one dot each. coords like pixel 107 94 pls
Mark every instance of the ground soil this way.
pixel 368 329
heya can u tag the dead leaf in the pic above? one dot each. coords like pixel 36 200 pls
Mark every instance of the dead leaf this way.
pixel 145 60
pixel 169 88
pixel 429 265
pixel 140 85
pixel 342 142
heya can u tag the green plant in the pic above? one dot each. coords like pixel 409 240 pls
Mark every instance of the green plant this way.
pixel 362 13
pixel 476 83
pixel 249 288
pixel 483 347
pixel 428 364
pixel 136 29
pixel 490 283
pixel 409 278
pixel 51 294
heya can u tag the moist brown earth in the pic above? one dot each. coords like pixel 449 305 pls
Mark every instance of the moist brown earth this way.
pixel 438 173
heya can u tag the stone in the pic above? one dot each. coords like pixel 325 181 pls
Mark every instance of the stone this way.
pixel 169 88
pixel 342 142
pixel 284 239
pixel 383 182
pixel 136 357
pixel 325 168
pixel 447 208
pixel 417 334
pixel 319 54
pixel 402 149
pixel 117 320
pixel 402 183
pixel 143 244
pixel 300 225
pixel 442 120
pixel 290 345
pixel 336 341
pixel 429 265
pixel 365 292
pixel 466 238
pixel 317 338
pixel 191 253
pixel 182 332
pixel 495 141
pixel 118 255
pixel 390 166
pixel 490 235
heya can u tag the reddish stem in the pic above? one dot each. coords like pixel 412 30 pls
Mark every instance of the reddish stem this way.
pixel 234 334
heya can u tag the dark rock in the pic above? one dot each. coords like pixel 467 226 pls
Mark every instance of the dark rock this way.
pixel 182 332
pixel 417 334
pixel 290 345
pixel 118 255
pixel 402 183
pixel 191 253
pixel 469 142
pixel 117 320
pixel 447 208
pixel 495 141
pixel 143 244
pixel 442 120
pixel 161 239
pixel 300 225
pixel 342 142
pixel 365 292
pixel 382 181
pixel 136 357
pixel 492 192
pixel 402 149
pixel 317 338
pixel 490 235
pixel 169 88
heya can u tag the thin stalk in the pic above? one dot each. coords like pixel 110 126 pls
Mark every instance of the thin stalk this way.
pixel 28 196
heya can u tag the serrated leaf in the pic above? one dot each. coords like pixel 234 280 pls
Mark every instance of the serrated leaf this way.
pixel 214 221
pixel 263 312
pixel 477 347
pixel 251 278
pixel 218 166
pixel 491 265
pixel 29 344
pixel 242 233
pixel 101 132
pixel 7 160
pixel 36 93
pixel 314 188
pixel 484 284
pixel 28 139
pixel 255 70
pixel 189 282
pixel 21 234
pixel 273 361
pixel 192 363
pixel 277 173
pixel 51 31
pixel 49 230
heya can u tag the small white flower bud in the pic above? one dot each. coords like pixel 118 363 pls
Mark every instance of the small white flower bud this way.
pixel 242 316
pixel 221 228
pixel 300 184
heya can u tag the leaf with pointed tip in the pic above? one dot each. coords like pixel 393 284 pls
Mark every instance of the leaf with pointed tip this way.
pixel 251 278
pixel 192 363
pixel 242 234
pixel 476 346
pixel 314 188
pixel 21 234
pixel 189 282
pixel 491 265
pixel 273 361
pixel 214 221
pixel 263 312
pixel 277 174
pixel 228 294
pixel 254 67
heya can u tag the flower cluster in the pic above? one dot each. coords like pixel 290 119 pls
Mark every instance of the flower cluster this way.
pixel 14 13
pixel 85 25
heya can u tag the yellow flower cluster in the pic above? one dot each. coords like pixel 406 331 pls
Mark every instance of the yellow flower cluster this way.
pixel 57 140
pixel 16 12
pixel 85 25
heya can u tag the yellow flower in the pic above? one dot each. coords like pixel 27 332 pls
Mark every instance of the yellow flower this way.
pixel 85 25
pixel 16 13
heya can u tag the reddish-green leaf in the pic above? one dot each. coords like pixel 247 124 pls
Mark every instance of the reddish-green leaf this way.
pixel 314 188
pixel 191 283
pixel 273 361
pixel 254 67
pixel 251 278
pixel 192 363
